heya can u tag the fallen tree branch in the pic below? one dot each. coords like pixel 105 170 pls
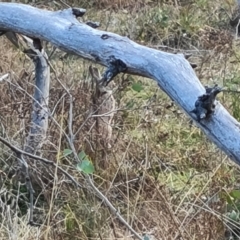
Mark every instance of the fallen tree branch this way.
pixel 171 71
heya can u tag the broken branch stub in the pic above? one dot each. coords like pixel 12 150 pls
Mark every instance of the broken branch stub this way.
pixel 206 103
pixel 171 71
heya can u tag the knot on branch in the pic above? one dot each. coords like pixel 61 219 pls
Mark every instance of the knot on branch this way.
pixel 93 24
pixel 115 66
pixel 78 12
pixel 205 104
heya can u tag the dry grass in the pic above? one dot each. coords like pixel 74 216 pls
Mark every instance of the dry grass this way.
pixel 164 176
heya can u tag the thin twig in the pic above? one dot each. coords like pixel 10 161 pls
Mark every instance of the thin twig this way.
pixel 29 187
pixel 4 76
pixel 44 160
pixel 31 191
pixel 107 114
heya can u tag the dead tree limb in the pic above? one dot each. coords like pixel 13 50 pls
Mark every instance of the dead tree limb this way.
pixel 171 71
pixel 39 117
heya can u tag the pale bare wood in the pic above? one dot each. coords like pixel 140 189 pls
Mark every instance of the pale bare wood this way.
pixel 172 72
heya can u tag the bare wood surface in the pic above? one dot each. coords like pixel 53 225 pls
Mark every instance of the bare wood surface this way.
pixel 172 72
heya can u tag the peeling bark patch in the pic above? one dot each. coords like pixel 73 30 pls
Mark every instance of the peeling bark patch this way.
pixel 104 36
pixel 205 104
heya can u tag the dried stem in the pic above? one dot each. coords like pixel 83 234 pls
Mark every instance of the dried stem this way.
pixel 35 157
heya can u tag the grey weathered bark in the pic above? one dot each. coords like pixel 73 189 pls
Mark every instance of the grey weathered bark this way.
pixel 172 72
pixel 39 116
